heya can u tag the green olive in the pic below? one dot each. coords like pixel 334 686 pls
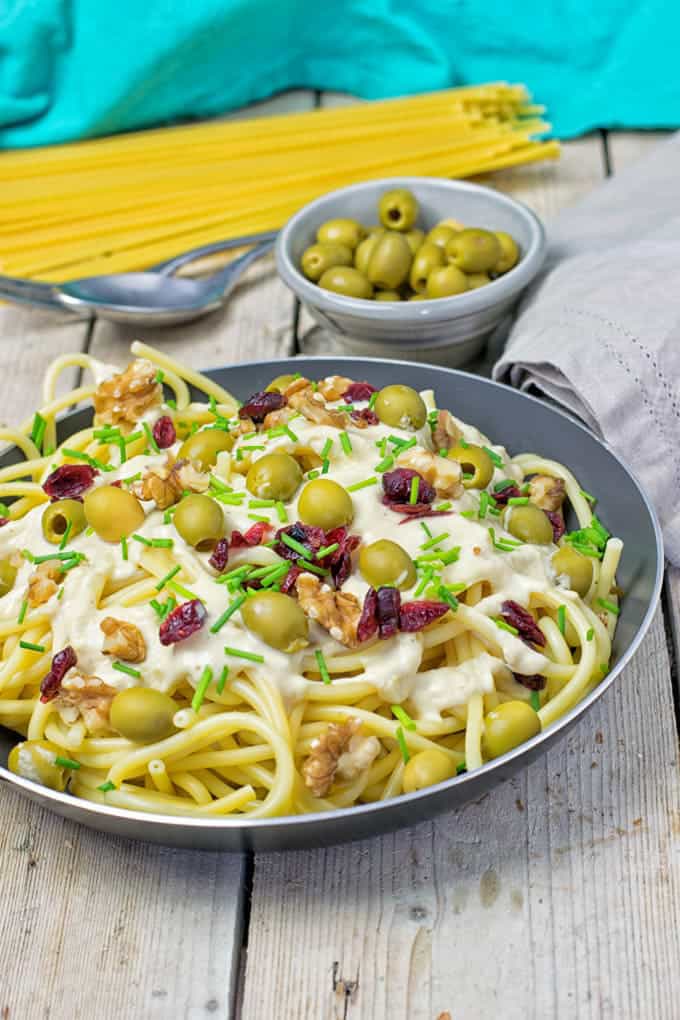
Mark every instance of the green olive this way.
pixel 528 523
pixel 277 619
pixel 398 209
pixel 320 257
pixel 416 239
pixel 509 252
pixel 390 261
pixel 348 281
pixel 507 726
pixel 57 517
pixel 36 760
pixel 427 768
pixel 325 504
pixel 341 231
pixel 418 297
pixel 362 256
pixel 203 447
pixel 8 575
pixel 577 567
pixel 143 714
pixel 428 258
pixel 386 563
pixel 446 282
pixel 387 295
pixel 474 461
pixel 476 280
pixel 199 520
pixel 280 383
pixel 474 250
pixel 274 476
pixel 113 513
pixel 400 407
pixel 441 235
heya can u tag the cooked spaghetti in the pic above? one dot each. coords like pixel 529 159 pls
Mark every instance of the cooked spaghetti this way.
pixel 326 596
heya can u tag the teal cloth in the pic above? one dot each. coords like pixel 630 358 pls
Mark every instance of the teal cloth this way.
pixel 80 68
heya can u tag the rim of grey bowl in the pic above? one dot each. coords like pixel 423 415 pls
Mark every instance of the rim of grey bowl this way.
pixel 580 708
pixel 434 310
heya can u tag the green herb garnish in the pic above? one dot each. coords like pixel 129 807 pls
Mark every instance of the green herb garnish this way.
pixel 239 653
pixel 609 606
pixel 345 443
pixel 123 668
pixel 67 763
pixel 413 491
pixel 403 717
pixel 535 700
pixel 365 484
pixel 30 647
pixel 228 612
pixel 506 626
pixel 401 740
pixel 498 461
pixel 168 577
pixel 200 692
pixel 293 544
pixel 562 618
pixel 323 668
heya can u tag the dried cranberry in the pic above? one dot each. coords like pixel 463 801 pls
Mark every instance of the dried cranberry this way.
pixel 69 481
pixel 4 521
pixel 535 682
pixel 255 535
pixel 368 621
pixel 259 405
pixel 220 555
pixel 306 534
pixel 288 583
pixel 522 620
pixel 556 518
pixel 61 663
pixel 164 432
pixel 414 616
pixel 358 391
pixel 418 511
pixel 365 414
pixel 182 622
pixel 340 561
pixel 389 603
pixel 397 487
pixel 503 495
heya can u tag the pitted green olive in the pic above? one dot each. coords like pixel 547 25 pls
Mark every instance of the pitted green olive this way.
pixel 415 238
pixel 280 383
pixel 446 282
pixel 507 726
pixel 398 209
pixel 528 523
pixel 400 407
pixel 203 447
pixel 428 258
pixel 320 257
pixel 509 252
pixel 199 520
pixel 427 768
pixel 474 250
pixel 113 513
pixel 57 517
pixel 441 235
pixel 277 619
pixel 474 461
pixel 365 248
pixel 274 476
pixel 36 760
pixel 577 567
pixel 325 504
pixel 348 281
pixel 476 280
pixel 387 295
pixel 8 575
pixel 341 231
pixel 385 563
pixel 143 714
pixel 390 261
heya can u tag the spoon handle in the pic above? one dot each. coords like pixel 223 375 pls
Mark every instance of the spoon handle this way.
pixel 29 292
pixel 226 278
pixel 170 265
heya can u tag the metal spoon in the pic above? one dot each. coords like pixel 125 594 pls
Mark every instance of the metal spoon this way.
pixel 154 297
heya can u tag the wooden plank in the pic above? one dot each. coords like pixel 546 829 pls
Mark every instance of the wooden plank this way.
pixel 673 624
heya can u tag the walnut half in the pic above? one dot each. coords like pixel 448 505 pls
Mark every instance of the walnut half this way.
pixel 43 583
pixel 444 474
pixel 88 697
pixel 125 397
pixel 342 751
pixel 165 483
pixel 547 492
pixel 339 612
pixel 123 640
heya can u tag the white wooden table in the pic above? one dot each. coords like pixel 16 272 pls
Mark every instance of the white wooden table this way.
pixel 556 896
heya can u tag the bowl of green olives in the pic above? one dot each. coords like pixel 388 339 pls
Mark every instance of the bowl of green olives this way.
pixel 422 268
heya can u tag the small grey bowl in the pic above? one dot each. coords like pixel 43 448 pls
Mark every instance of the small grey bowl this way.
pixel 446 331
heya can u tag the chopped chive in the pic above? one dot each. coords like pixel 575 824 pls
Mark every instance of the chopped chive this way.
pixel 132 438
pixel 506 626
pixel 123 668
pixel 590 635
pixel 372 399
pixel 253 447
pixel 345 443
pixel 323 668
pixel 149 435
pixel 222 680
pixel 446 596
pixel 107 786
pixel 200 692
pixel 535 700
pixel 228 612
pixel 382 446
pixel 385 464
pixel 217 483
pixel 320 571
pixel 463 443
pixel 162 543
pixel 157 607
pixel 562 618
pixel 168 577
pixel 140 538
pixel 444 453
pixel 483 504
pixel 460 768
pixel 403 717
pixel 327 447
pixel 468 514
pixel 281 512
pixel 293 544
pixel 603 668
pixel 401 740
pixel 450 556
pixel 186 592
pixel 236 572
pixel 498 461
pixel 504 484
pixel 609 606
pixel 271 568
pixel 525 489
pixel 426 578
pixel 325 466
pixel 63 556
pixel 426 530
pixel 326 550
pixel 30 647
pixel 258 517
pixel 159 376
pixel 586 495
pixel 60 594
pixel 121 449
pixel 229 498
pixel 433 541
pixel 66 763
pixel 367 482
pixel 467 475
pixel 274 579
pixel 291 435
pixel 257 504
pixel 92 461
pixel 239 653
pixel 313 474
pixel 38 430
pixel 171 403
pixel 67 535
pixel 444 506
pixel 413 491
pixel 22 611
pixel 518 501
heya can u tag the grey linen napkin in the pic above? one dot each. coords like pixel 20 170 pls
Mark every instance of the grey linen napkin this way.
pixel 599 332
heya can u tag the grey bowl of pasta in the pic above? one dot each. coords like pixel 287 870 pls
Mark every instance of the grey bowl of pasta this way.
pixel 291 603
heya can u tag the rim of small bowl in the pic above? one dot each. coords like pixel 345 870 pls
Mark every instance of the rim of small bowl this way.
pixel 434 310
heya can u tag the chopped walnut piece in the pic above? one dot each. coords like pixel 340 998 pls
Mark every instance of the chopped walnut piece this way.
pixel 243 427
pixel 43 583
pixel 333 387
pixel 126 396
pixel 446 433
pixel 189 477
pixel 547 492
pixel 123 640
pixel 339 612
pixel 442 473
pixel 297 386
pixel 342 750
pixel 280 417
pixel 88 697
pixel 313 407
pixel 165 483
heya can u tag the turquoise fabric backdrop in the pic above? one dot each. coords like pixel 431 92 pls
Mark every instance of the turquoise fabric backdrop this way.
pixel 78 68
